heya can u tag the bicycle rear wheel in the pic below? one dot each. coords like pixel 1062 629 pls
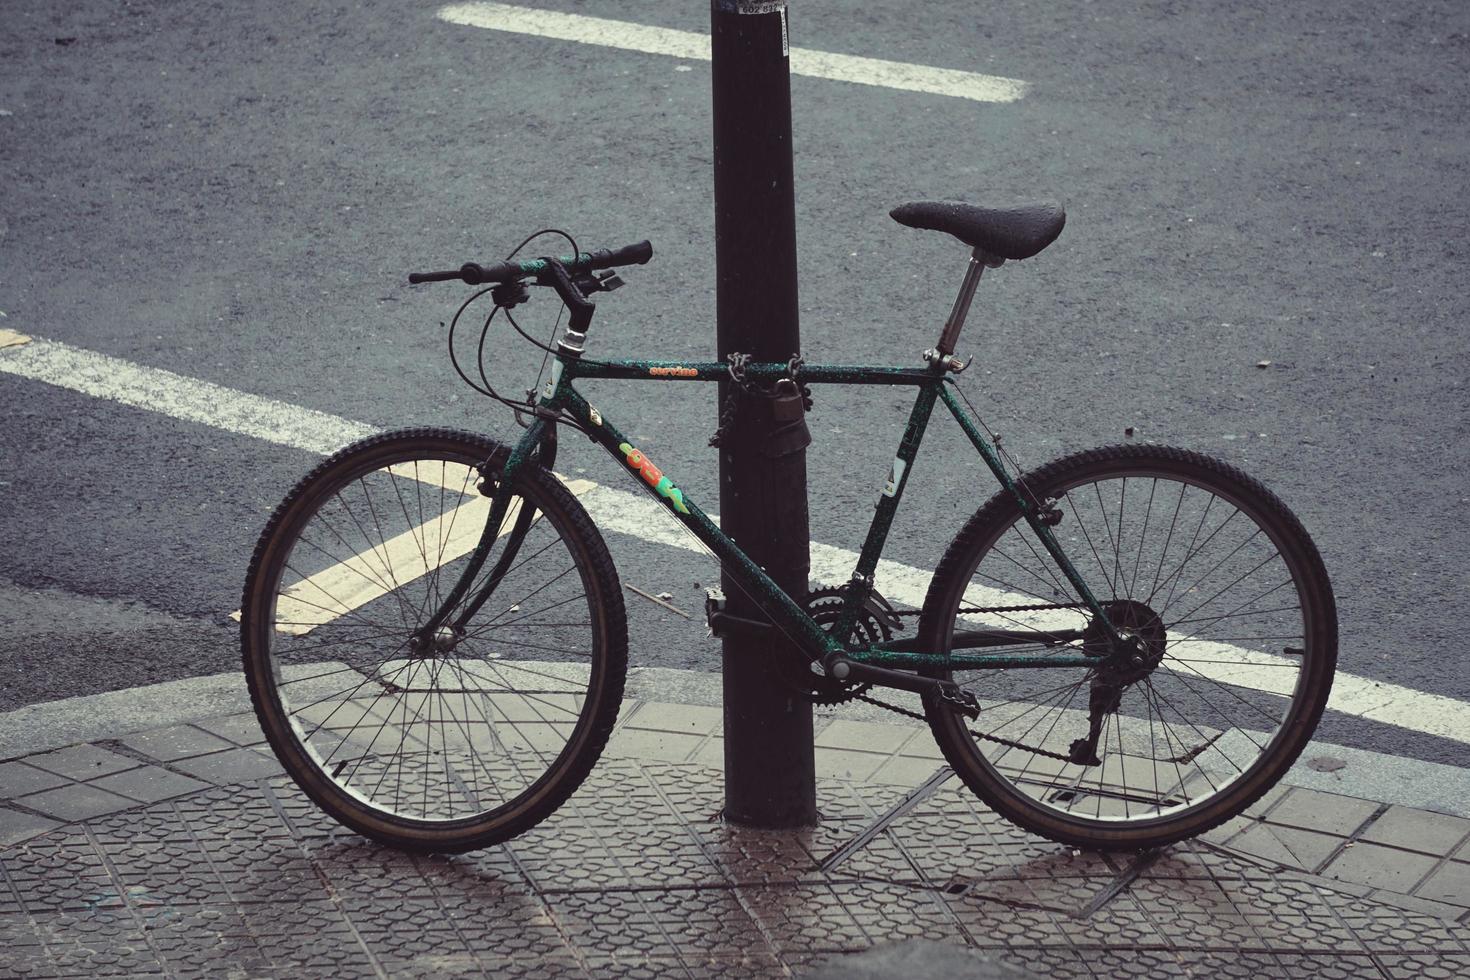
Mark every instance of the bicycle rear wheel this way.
pixel 1235 619
pixel 478 737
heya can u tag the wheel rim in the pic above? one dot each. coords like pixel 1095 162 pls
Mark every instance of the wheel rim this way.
pixel 1227 585
pixel 469 727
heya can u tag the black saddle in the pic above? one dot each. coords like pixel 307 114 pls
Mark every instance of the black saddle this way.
pixel 1007 233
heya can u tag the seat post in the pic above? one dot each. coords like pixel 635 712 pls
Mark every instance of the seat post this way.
pixel 956 322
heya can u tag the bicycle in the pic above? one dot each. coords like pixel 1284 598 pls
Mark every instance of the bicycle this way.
pixel 1102 683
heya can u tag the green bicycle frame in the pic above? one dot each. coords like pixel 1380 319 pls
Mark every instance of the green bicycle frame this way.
pixel 559 395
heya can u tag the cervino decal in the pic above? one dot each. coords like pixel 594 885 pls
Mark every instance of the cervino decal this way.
pixel 673 372
pixel 654 476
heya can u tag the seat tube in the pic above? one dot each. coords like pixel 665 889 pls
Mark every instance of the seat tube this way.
pixel 956 321
pixel 898 476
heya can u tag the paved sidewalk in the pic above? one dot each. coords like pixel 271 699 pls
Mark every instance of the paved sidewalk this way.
pixel 184 852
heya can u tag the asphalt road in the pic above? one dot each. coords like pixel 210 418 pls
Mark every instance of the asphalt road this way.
pixel 235 192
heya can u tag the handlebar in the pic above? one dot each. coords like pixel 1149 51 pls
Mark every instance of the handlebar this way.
pixel 605 258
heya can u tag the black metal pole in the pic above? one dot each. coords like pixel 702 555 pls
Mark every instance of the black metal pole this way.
pixel 769 772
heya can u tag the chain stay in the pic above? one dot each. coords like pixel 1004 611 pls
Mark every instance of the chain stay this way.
pixel 986 609
pixel 982 735
pixel 1060 757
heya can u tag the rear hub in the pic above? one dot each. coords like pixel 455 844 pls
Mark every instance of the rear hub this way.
pixel 1144 640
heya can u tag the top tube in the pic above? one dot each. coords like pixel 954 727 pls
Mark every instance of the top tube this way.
pixel 765 371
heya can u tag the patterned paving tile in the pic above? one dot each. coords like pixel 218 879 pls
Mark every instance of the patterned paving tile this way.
pixel 633 879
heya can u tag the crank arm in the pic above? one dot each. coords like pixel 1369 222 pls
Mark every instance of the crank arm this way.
pixel 722 624
pixel 947 692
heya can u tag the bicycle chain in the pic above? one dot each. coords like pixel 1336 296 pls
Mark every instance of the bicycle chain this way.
pixel 982 735
pixel 748 389
pixel 985 609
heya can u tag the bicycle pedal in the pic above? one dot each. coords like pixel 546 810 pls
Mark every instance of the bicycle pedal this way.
pixel 956 697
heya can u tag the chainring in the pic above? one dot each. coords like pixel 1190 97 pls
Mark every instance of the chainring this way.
pixel 824 606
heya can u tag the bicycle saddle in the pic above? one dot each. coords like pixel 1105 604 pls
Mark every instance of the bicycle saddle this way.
pixel 1008 233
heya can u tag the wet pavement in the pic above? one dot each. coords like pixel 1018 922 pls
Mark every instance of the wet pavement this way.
pixel 185 852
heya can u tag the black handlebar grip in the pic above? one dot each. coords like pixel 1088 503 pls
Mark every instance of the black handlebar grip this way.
pixel 636 254
pixel 417 277
pixel 476 274
pixel 472 273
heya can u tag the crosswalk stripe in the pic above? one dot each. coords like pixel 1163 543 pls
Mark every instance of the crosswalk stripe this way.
pixel 339 589
pixel 693 46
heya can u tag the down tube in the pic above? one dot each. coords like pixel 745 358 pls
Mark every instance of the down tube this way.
pixel 766 594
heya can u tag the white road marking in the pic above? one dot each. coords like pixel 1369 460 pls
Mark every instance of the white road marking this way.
pixel 622 511
pixel 403 558
pixel 171 394
pixel 693 46
pixel 1390 704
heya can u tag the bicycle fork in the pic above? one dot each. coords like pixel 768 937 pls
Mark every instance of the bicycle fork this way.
pixel 440 634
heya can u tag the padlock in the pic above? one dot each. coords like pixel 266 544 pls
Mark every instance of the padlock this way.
pixel 786 403
pixel 789 433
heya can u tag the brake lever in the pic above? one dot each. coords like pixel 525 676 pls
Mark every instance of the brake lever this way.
pixel 510 294
pixel 606 282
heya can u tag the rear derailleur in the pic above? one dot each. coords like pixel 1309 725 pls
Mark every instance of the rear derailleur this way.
pixel 1141 652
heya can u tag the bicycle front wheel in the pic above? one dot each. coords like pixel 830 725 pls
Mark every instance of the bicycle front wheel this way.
pixel 476 737
pixel 1235 624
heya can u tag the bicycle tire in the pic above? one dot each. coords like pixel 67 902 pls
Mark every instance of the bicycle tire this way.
pixel 340 578
pixel 1203 772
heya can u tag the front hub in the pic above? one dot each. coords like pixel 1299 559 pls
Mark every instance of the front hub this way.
pixel 445 639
